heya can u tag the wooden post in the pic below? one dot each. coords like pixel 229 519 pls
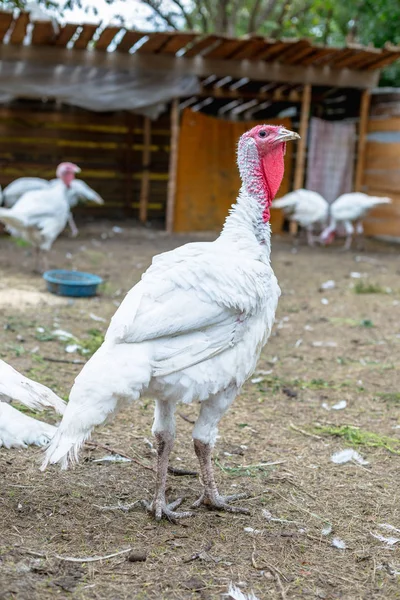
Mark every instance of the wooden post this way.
pixel 173 164
pixel 302 145
pixel 145 184
pixel 362 139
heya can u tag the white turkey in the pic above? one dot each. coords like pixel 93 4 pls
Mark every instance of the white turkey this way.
pixel 16 429
pixel 17 188
pixel 78 191
pixel 346 210
pixel 41 215
pixel 308 209
pixel 191 330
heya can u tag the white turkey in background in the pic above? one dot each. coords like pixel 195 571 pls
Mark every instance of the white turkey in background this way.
pixel 79 191
pixel 191 330
pixel 17 188
pixel 346 210
pixel 41 215
pixel 16 429
pixel 308 209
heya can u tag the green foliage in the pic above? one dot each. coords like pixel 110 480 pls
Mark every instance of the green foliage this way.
pixel 368 288
pixel 45 336
pixel 352 322
pixel 20 243
pixel 391 397
pixel 367 323
pixel 91 343
pixel 358 437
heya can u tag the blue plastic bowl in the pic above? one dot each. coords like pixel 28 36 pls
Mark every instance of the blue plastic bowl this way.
pixel 71 283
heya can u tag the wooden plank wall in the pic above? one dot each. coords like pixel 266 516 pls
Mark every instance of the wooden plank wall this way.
pixel 208 185
pixel 36 136
pixel 381 176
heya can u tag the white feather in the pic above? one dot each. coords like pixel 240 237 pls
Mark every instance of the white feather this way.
pixel 39 216
pixel 16 429
pixel 19 431
pixel 15 190
pixel 191 329
pixel 14 386
pixel 348 209
pixel 354 206
pixel 79 191
pixel 304 207
pixel 236 593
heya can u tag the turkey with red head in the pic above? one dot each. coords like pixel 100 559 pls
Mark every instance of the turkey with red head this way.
pixel 41 215
pixel 191 330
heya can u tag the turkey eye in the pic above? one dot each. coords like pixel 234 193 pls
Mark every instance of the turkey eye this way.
pixel 262 133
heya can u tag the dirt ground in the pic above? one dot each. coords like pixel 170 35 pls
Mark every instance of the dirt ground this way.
pixel 275 443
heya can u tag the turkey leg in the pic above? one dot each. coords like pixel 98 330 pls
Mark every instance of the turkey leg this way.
pixel 72 226
pixel 164 431
pixel 310 237
pixel 41 262
pixel 204 435
pixel 360 236
pixel 349 235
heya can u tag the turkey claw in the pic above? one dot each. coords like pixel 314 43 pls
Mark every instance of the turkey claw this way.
pixel 159 509
pixel 217 502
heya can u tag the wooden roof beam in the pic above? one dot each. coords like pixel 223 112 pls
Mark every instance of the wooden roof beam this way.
pixel 106 37
pixel 257 70
pixel 218 92
pixel 19 31
pixel 6 18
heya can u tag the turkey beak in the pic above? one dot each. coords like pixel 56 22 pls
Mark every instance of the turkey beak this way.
pixel 285 135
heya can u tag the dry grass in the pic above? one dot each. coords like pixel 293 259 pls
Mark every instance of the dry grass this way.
pixel 283 556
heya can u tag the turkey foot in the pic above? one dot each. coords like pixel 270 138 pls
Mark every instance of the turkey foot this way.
pixel 218 502
pixel 159 509
pixel 211 497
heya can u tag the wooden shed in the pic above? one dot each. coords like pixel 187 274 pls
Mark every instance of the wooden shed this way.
pixel 177 168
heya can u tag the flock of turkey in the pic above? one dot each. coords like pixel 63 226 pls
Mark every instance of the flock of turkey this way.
pixel 311 211
pixel 191 330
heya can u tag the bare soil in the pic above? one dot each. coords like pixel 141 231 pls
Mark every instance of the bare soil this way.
pixel 319 354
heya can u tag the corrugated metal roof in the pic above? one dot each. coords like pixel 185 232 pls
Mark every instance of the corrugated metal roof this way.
pixel 20 31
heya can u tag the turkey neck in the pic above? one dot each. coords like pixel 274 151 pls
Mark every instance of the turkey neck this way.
pixel 245 226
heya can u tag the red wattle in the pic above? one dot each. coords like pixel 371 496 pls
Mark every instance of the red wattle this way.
pixel 272 174
pixel 266 214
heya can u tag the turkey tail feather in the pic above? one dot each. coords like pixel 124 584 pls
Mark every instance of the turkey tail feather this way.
pixel 64 449
pixel 8 218
pixel 285 202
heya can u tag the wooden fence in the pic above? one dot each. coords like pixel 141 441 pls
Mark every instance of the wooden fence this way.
pixel 124 157
pixel 381 175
